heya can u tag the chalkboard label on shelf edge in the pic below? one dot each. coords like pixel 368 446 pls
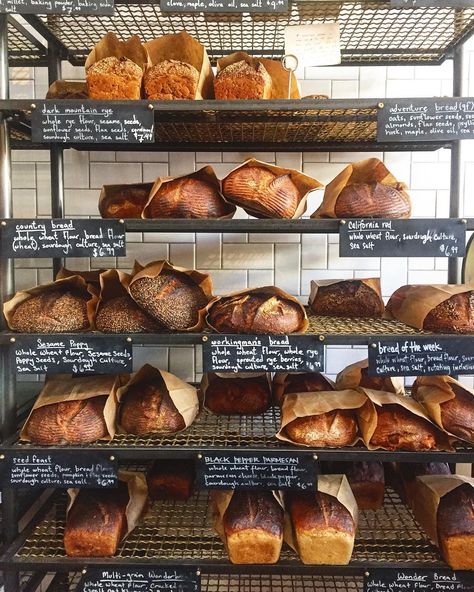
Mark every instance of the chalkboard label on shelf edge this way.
pixel 98 7
pixel 262 353
pixel 272 470
pixel 62 238
pixel 220 6
pixel 402 238
pixel 433 355
pixel 140 579
pixel 431 3
pixel 58 468
pixel 430 120
pixel 92 122
pixel 418 580
pixel 81 354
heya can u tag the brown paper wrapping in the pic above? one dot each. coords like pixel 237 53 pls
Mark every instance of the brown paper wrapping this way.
pixel 209 377
pixel 183 395
pixel 108 192
pixel 415 302
pixel 203 280
pixel 298 405
pixel 373 283
pixel 205 174
pixel 270 291
pixel 429 491
pixel 90 277
pixel 371 170
pixel 138 494
pixel 65 387
pixel 73 282
pixel 304 184
pixel 111 46
pixel 367 415
pixel 274 68
pixel 280 381
pixel 350 378
pixel 184 48
pixel 67 89
pixel 433 391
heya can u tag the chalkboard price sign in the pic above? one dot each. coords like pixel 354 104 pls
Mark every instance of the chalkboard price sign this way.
pixel 57 6
pixel 81 354
pixel 262 353
pixel 62 238
pixel 256 471
pixel 421 355
pixel 224 5
pixel 58 468
pixel 140 579
pixel 402 238
pixel 419 580
pixel 430 120
pixel 92 122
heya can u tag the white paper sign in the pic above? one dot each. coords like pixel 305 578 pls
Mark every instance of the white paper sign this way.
pixel 314 45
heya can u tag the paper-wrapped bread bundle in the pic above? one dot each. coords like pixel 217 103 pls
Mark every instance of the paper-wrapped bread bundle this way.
pixel 406 474
pixel 236 394
pixel 347 298
pixel 124 201
pixel 367 481
pixel 356 375
pixel 302 382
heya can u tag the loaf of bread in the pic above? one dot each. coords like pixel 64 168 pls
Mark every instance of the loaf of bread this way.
pixel 347 298
pixel 253 527
pixel 114 78
pixel 122 315
pixel 171 479
pixel 373 200
pixel 124 201
pixel 455 524
pixel 243 80
pixel 96 522
pixel 171 79
pixel 455 315
pixel 237 396
pixel 367 481
pixel 357 375
pixel 304 382
pixel 67 89
pixel 407 473
pixel 333 429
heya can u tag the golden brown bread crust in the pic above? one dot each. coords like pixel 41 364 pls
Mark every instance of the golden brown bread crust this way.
pixel 172 298
pixel 454 315
pixel 128 203
pixel 455 524
pixel 171 79
pixel 332 429
pixel 96 522
pixel 52 311
pixel 307 382
pixel 242 80
pixel 123 315
pixel 239 396
pixel 255 313
pixel 68 422
pixel 187 198
pixel 377 383
pixel 349 298
pixel 318 510
pixel 258 189
pixel 114 78
pixel 170 479
pixel 399 429
pixel 372 200
pixel 457 414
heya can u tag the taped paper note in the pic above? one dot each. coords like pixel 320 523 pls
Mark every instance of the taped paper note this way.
pixel 314 45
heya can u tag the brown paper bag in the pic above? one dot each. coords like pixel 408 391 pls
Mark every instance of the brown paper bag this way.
pixel 184 48
pixel 367 415
pixel 108 194
pixel 208 378
pixel 74 282
pixel 64 387
pixel 280 381
pixel 183 395
pixel 304 184
pixel 371 170
pixel 206 174
pixel 67 89
pixel 203 280
pixel 298 405
pixel 372 283
pixel 351 376
pixel 411 304
pixel 111 46
pixel 90 277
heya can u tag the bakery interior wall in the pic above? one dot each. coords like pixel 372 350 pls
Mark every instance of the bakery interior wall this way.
pixel 237 261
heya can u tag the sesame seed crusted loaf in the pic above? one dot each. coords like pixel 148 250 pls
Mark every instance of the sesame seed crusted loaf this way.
pixel 114 78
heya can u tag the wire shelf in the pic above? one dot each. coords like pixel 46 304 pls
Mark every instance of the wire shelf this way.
pixel 23 48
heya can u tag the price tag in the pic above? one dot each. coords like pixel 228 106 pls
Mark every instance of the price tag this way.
pixel 140 579
pixel 57 6
pixel 402 238
pixel 314 45
pixel 262 353
pixel 257 471
pixel 82 354
pixel 62 238
pixel 59 469
pixel 418 580
pixel 224 6
pixel 92 122
pixel 423 355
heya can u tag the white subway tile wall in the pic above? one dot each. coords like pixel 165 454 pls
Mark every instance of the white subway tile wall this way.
pixel 238 261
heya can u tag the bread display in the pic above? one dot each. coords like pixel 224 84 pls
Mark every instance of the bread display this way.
pixel 122 315
pixel 357 374
pixel 236 395
pixel 367 481
pixel 304 382
pixel 171 479
pixel 243 80
pixel 67 89
pixel 124 201
pixel 407 473
pixel 347 298
pixel 171 79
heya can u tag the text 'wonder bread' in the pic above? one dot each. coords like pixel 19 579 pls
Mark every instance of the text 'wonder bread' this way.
pixel 171 79
pixel 243 80
pixel 114 78
pixel 372 200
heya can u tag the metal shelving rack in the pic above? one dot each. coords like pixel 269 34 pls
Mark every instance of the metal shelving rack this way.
pixel 372 33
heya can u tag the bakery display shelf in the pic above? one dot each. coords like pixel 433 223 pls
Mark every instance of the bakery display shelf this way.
pixel 182 533
pixel 372 32
pixel 274 125
pixel 24 49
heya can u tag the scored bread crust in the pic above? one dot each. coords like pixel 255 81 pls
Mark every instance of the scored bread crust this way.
pixel 114 78
pixel 242 80
pixel 373 200
pixel 332 429
pixel 171 79
pixel 349 298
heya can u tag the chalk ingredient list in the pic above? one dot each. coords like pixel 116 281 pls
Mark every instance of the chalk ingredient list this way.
pixel 57 6
pixel 224 5
pixel 139 579
pixel 419 580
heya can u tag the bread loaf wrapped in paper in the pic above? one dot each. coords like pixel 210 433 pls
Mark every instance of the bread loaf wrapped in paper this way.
pixel 285 383
pixel 347 298
pixel 236 394
pixel 356 375
pixel 124 201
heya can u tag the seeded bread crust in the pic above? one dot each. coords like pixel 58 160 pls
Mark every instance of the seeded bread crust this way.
pixel 114 78
pixel 171 79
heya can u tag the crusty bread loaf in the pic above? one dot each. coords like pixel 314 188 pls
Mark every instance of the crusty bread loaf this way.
pixel 171 79
pixel 347 298
pixel 323 528
pixel 407 472
pixel 332 429
pixel 399 429
pixel 253 527
pixel 242 80
pixel 304 382
pixel 127 201
pixel 67 89
pixel 122 315
pixel 52 311
pixel 372 200
pixel 171 479
pixel 239 396
pixel 378 383
pixel 114 78
pixel 454 315
pixel 367 481
pixel 96 522
pixel 455 526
